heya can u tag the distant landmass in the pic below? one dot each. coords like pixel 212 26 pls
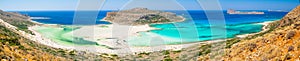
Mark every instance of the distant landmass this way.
pixel 231 11
pixel 277 11
pixel 141 16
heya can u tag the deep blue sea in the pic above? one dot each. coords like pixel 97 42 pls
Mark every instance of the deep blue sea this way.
pixel 196 27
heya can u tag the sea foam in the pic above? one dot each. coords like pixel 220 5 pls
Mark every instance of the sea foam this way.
pixel 36 18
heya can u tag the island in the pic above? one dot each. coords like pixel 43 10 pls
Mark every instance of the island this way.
pixel 142 16
pixel 231 11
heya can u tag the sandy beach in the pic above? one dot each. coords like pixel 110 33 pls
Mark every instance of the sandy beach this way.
pixel 114 36
pixel 264 28
pixel 105 38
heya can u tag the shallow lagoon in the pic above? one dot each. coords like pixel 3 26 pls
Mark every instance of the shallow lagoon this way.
pixel 194 29
pixel 167 34
pixel 62 35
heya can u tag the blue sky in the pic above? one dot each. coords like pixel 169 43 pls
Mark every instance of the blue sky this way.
pixel 11 5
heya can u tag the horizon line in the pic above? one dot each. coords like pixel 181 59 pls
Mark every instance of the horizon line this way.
pixel 125 9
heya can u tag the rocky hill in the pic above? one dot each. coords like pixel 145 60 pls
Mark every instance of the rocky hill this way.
pixel 141 16
pixel 280 43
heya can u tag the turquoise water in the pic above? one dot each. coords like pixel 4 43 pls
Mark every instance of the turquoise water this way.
pixel 62 35
pixel 204 32
pixel 196 28
pixel 169 34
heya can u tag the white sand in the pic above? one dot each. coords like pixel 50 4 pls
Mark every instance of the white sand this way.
pixel 110 31
pixel 264 28
pixel 115 33
pixel 121 49
pixel 100 33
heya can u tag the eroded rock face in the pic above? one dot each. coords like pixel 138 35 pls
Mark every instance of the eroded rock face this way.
pixel 141 16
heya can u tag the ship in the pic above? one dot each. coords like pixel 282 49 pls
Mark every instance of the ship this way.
pixel 231 11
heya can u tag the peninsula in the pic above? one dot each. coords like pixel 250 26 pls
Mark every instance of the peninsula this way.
pixel 142 16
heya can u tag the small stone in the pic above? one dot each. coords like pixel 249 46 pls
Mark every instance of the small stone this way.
pixel 290 48
pixel 290 34
pixel 252 46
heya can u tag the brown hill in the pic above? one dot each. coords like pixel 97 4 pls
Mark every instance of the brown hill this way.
pixel 280 43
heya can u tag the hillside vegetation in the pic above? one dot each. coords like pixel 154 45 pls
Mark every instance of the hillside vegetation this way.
pixel 14 47
pixel 22 22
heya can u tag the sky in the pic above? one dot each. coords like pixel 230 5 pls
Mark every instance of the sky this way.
pixel 28 5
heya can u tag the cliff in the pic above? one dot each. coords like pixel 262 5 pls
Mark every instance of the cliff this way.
pixel 141 16
pixel 280 43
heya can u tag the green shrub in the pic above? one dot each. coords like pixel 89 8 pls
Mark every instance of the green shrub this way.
pixel 166 52
pixel 230 42
pixel 168 59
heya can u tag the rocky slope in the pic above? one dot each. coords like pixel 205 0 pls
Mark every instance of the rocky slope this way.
pixel 141 16
pixel 17 48
pixel 281 43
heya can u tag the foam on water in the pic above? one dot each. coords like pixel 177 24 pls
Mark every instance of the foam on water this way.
pixel 39 18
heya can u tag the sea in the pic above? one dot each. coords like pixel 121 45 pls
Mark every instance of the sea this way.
pixel 196 28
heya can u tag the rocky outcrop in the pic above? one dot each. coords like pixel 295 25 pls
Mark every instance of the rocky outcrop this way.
pixel 290 18
pixel 141 16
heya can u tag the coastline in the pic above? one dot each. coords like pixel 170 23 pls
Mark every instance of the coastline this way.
pixel 133 49
pixel 97 49
pixel 264 28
